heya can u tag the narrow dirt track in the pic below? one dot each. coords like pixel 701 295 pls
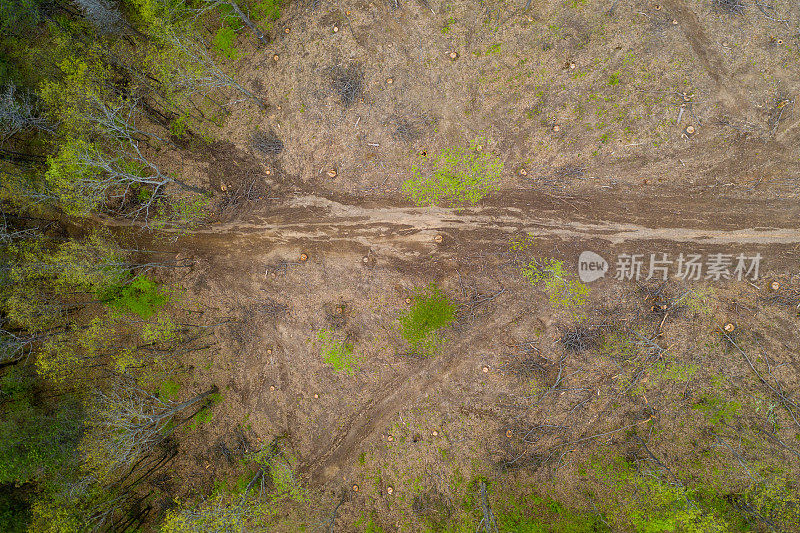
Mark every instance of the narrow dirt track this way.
pixel 321 218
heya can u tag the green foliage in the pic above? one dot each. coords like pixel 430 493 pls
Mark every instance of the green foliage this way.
pixel 73 265
pixel 668 370
pixel 285 482
pixel 18 16
pixel 267 12
pixel 337 353
pixel 70 177
pixel 47 280
pixel 159 18
pixel 563 289
pixel 55 515
pixel 533 513
pixel 645 503
pixel 455 176
pixel 717 409
pixel 42 275
pixel 372 527
pixel 281 465
pixel 446 26
pixel 182 214
pixel 140 295
pixel 216 515
pixel 62 355
pixel 206 414
pixel 223 42
pixel 169 390
pixel 179 126
pixel 14 510
pixel 37 440
pixel 162 331
pixel 778 500
pixel 82 80
pixel 88 265
pixel 431 310
pixel 494 49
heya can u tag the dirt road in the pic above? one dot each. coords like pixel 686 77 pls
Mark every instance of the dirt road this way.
pixel 380 227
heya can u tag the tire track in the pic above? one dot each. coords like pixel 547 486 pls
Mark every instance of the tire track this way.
pixel 709 58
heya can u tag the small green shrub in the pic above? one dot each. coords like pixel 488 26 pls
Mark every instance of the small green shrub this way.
pixel 456 176
pixel 446 26
pixel 431 310
pixel 140 296
pixel 179 126
pixel 281 464
pixel 285 482
pixel 267 12
pixel 169 390
pixel 205 414
pixel 337 353
pixel 223 42
pixel 563 290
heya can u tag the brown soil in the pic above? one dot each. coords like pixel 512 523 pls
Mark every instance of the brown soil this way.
pixel 633 182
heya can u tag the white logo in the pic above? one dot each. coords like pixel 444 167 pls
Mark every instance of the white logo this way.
pixel 591 267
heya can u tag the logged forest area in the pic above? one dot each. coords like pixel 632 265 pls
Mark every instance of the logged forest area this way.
pixel 399 266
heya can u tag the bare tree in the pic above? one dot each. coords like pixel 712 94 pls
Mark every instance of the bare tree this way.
pixel 128 422
pixel 488 522
pixel 116 175
pixel 241 15
pixel 118 120
pixel 202 74
pixel 18 112
pixel 14 348
pixel 103 15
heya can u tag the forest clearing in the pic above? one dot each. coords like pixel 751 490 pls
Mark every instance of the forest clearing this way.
pixel 399 266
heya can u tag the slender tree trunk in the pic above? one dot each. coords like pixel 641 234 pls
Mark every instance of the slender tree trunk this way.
pixel 249 23
pixel 244 91
pixel 188 187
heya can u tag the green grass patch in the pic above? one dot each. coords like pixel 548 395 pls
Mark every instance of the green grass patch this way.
pixel 223 42
pixel 535 513
pixel 446 26
pixel 635 501
pixel 205 414
pixel 337 353
pixel 267 12
pixel 717 409
pixel 140 296
pixel 455 176
pixel 169 390
pixel 431 310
